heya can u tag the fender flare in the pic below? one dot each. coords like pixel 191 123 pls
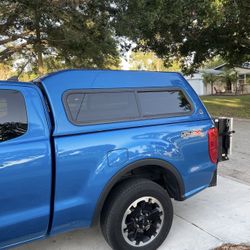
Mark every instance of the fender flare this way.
pixel 132 166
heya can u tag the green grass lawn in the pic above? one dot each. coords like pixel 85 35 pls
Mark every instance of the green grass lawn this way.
pixel 232 106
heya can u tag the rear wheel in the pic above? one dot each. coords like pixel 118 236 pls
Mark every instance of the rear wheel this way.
pixel 137 215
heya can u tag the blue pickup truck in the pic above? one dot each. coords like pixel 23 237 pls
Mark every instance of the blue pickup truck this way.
pixel 95 147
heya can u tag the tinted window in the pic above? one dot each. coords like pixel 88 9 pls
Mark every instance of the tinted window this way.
pixel 102 107
pixel 74 102
pixel 13 118
pixel 155 103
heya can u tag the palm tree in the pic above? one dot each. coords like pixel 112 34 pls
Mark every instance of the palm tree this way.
pixel 229 77
pixel 210 78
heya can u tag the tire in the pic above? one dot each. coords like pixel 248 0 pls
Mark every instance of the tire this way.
pixel 137 215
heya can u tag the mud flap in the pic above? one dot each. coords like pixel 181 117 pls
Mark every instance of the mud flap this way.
pixel 213 182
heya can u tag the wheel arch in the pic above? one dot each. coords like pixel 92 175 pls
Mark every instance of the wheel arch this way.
pixel 141 166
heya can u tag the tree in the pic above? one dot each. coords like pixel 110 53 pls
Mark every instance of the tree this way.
pixel 85 33
pixel 5 72
pixel 213 63
pixel 192 31
pixel 229 77
pixel 210 78
pixel 63 33
pixel 149 61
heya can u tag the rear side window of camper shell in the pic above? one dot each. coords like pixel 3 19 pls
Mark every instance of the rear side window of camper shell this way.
pixel 97 107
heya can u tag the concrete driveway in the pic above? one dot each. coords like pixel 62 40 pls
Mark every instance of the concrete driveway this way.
pixel 239 165
pixel 215 216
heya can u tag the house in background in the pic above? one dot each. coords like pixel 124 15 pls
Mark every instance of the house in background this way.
pixel 197 83
pixel 241 86
pixel 243 73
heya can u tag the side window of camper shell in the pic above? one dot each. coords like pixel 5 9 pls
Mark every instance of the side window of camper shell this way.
pixel 98 107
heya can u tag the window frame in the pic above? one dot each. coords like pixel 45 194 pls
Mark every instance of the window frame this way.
pixel 122 90
pixel 26 113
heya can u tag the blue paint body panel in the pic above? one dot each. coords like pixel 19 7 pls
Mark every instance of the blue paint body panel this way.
pixel 86 158
pixel 83 161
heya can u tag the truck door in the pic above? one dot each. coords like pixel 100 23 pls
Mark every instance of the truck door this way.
pixel 25 165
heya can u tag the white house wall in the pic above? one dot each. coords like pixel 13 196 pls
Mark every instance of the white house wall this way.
pixel 197 84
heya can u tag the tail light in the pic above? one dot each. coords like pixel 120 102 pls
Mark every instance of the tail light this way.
pixel 213 144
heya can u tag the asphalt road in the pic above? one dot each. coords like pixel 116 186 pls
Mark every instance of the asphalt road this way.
pixel 215 216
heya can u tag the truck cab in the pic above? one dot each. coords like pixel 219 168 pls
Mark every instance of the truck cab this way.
pixel 25 163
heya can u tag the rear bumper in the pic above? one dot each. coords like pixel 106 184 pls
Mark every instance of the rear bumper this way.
pixel 214 179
